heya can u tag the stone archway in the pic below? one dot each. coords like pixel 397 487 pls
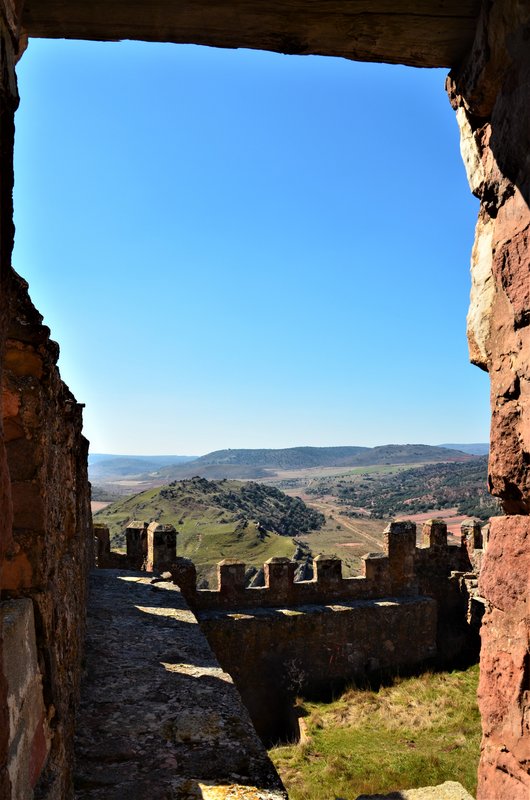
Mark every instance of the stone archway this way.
pixel 486 47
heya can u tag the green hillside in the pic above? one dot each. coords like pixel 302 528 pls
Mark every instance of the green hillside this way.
pixel 114 472
pixel 308 457
pixel 414 490
pixel 218 519
pixel 284 458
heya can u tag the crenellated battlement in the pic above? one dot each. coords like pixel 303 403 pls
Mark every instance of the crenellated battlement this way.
pixel 402 570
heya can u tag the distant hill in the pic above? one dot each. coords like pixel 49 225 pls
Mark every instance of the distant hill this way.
pixel 106 466
pixel 308 457
pixel 218 519
pixel 282 458
pixel 435 486
pixel 255 464
pixel 478 449
pixel 260 463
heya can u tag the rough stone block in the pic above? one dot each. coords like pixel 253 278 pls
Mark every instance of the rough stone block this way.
pixel 102 545
pixel 375 566
pixel 471 531
pixel 29 737
pixel 24 362
pixel 25 457
pixel 504 689
pixel 434 534
pixel 161 547
pixel 184 575
pixel 400 544
pixel 505 576
pixel 231 576
pixel 28 506
pixel 328 570
pixel 136 543
pixel 279 574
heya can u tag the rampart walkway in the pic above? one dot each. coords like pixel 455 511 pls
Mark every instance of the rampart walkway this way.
pixel 159 718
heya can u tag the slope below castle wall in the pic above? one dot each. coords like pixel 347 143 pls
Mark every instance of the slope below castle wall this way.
pixel 275 654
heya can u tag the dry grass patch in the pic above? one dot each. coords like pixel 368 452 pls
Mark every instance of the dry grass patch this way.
pixel 417 732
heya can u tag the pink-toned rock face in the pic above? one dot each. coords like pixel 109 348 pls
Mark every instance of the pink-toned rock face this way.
pixel 47 549
pixel 493 113
pixel 491 94
pixel 504 690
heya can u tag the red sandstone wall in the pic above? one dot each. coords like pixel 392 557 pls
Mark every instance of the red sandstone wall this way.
pixel 8 105
pixel 52 541
pixel 491 94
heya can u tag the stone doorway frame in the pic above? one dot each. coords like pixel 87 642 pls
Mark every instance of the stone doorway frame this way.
pixel 486 47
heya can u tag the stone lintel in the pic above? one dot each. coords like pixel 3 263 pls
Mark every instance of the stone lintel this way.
pixel 414 32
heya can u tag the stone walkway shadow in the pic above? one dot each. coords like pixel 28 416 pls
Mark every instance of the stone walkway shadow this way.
pixel 159 719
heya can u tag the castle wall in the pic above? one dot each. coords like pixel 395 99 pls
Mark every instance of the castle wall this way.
pixel 411 605
pixel 28 730
pixel 402 570
pixel 310 648
pixel 490 92
pixel 8 105
pixel 51 548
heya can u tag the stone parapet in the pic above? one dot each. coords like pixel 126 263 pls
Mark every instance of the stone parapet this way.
pixel 161 547
pixel 136 542
pixel 101 546
pixel 403 570
pixel 313 648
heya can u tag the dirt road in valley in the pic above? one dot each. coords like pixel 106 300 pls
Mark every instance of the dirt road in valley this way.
pixel 331 509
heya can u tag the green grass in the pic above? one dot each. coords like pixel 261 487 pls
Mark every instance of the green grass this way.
pixel 208 532
pixel 420 731
pixel 207 544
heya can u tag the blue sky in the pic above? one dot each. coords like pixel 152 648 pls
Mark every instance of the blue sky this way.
pixel 243 249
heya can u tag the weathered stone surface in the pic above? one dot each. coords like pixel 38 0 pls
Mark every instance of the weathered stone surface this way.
pixel 292 650
pixel 159 717
pixel 28 730
pixel 450 790
pixel 397 572
pixel 9 52
pixel 494 119
pixel 161 547
pixel 504 689
pixel 490 92
pixel 417 32
pixel 50 548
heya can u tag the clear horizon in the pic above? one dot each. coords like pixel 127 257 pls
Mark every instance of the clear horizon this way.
pixel 247 248
pixel 293 447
